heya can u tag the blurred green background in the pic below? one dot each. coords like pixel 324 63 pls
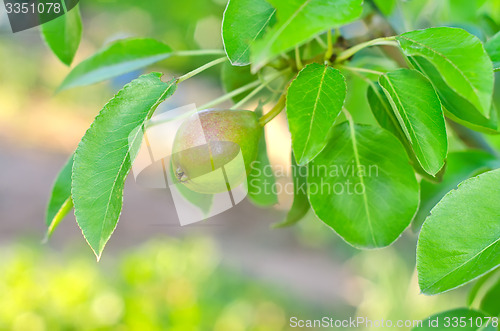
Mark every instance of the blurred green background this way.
pixel 230 273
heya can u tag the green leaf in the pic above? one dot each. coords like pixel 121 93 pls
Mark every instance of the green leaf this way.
pixel 386 118
pixel 236 77
pixel 460 59
pixel 244 22
pixel 63 35
pixel 490 303
pixel 314 101
pixel 299 21
pixel 493 48
pixel 105 155
pixel 60 203
pixel 461 318
pixel 457 108
pixel 383 113
pixel 300 205
pixel 261 180
pixel 419 113
pixel 459 167
pixel 116 59
pixel 459 242
pixel 363 186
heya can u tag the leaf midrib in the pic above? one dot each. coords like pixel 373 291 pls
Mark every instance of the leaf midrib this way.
pixel 388 111
pixel 255 38
pixel 315 107
pixel 285 25
pixel 447 60
pixel 361 179
pixel 461 265
pixel 412 129
pixel 113 187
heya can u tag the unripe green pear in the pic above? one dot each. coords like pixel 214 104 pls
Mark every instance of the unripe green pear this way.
pixel 214 148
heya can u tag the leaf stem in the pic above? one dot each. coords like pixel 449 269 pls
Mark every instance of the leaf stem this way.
pixel 275 111
pixel 285 56
pixel 240 90
pixel 298 61
pixel 249 96
pixel 226 96
pixel 201 69
pixel 321 42
pixel 230 95
pixel 329 50
pixel 355 69
pixel 199 52
pixel 348 116
pixel 356 73
pixel 272 77
pixel 375 42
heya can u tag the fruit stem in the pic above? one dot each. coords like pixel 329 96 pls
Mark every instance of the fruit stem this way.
pixel 201 69
pixel 375 42
pixel 268 117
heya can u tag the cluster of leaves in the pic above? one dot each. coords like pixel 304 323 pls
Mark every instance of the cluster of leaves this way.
pixel 446 76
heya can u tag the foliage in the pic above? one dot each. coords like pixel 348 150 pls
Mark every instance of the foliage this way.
pixel 454 226
pixel 314 100
pixel 111 145
pixel 63 35
pixel 366 181
pixel 120 57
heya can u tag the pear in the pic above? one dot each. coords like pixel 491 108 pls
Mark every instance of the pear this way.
pixel 213 150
